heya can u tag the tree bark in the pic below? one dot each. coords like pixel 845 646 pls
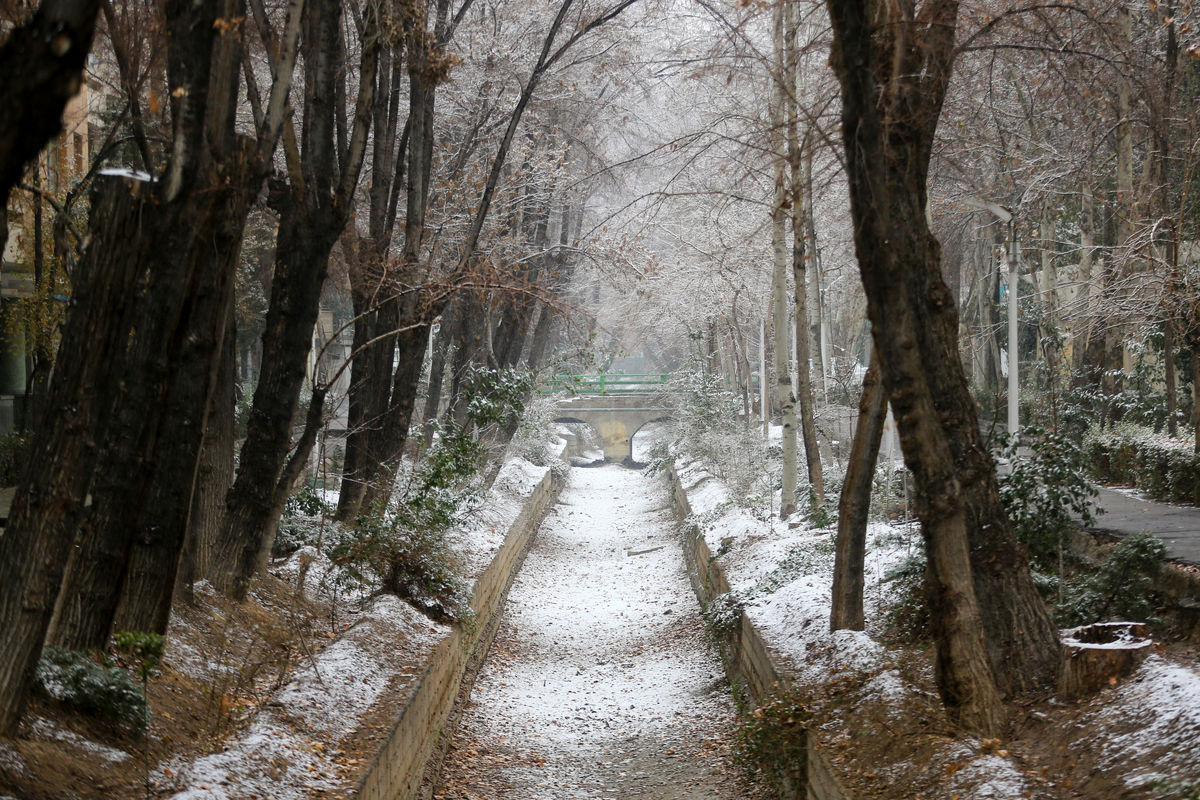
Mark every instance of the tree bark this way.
pixel 804 390
pixel 854 505
pixel 302 258
pixel 215 475
pixel 49 502
pixel 785 86
pixel 315 208
pixel 992 630
pixel 437 373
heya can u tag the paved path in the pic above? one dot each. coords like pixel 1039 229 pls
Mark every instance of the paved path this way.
pixel 598 684
pixel 1127 512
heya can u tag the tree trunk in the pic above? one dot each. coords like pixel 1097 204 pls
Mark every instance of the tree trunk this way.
pixel 215 472
pixel 49 502
pixel 1087 243
pixel 1169 377
pixel 154 556
pixel 993 632
pixel 854 504
pixel 784 85
pixel 130 541
pixel 808 417
pixel 306 236
pixel 315 209
pixel 410 355
pixel 1196 404
pixel 437 373
pixel 370 387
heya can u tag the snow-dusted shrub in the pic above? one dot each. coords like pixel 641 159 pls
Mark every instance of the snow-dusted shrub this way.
pixel 405 549
pixel 1045 492
pixel 773 740
pixel 1167 469
pixel 1120 587
pixel 907 612
pixel 78 682
pixel 305 518
pixel 708 428
pixel 535 440
pixel 723 614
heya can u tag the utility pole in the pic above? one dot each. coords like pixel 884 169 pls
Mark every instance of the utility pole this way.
pixel 1014 271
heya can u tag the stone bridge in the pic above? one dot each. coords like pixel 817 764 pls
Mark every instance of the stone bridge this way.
pixel 616 418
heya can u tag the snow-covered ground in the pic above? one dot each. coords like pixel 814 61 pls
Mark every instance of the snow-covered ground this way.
pixel 599 684
pixel 1144 729
pixel 292 747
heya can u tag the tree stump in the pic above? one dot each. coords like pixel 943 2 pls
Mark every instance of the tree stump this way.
pixel 1099 655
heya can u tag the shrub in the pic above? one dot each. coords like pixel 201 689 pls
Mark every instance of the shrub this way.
pixel 1120 587
pixel 304 522
pixel 146 649
pixel 1045 492
pixel 722 615
pixel 772 742
pixel 1165 468
pixel 77 682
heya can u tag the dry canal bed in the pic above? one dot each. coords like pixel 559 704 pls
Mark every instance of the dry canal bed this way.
pixel 599 683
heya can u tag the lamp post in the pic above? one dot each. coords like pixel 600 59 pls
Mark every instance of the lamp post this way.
pixel 1014 262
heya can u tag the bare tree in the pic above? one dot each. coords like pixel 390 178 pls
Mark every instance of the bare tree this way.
pixel 993 632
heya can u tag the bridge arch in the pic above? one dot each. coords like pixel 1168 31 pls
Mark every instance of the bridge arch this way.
pixel 615 418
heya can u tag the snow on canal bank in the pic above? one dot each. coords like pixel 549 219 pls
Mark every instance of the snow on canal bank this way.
pixel 599 684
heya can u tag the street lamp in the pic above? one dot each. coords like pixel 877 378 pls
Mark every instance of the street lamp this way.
pixel 1014 261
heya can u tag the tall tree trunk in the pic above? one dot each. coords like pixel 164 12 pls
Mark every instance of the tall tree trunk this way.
pixel 302 257
pixel 992 630
pixel 216 471
pixel 437 373
pixel 49 502
pixel 155 553
pixel 854 505
pixel 1195 343
pixel 315 209
pixel 785 85
pixel 808 417
pixel 1087 243
pixel 141 493
pixel 129 543
pixel 410 355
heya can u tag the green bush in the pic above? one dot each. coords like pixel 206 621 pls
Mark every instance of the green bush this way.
pixel 1120 588
pixel 1165 468
pixel 78 682
pixel 772 742
pixel 1045 492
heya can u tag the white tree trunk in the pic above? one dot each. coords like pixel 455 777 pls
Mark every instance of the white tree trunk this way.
pixel 784 397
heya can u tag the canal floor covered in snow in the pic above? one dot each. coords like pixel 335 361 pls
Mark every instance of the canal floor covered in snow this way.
pixel 599 683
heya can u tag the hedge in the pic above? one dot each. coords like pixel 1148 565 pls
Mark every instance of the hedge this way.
pixel 1165 468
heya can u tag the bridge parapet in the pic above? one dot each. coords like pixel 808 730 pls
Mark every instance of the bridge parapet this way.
pixel 607 384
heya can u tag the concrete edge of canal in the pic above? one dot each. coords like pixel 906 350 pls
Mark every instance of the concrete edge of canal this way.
pixel 416 740
pixel 748 662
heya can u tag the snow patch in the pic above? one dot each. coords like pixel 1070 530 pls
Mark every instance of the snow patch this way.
pixel 47 729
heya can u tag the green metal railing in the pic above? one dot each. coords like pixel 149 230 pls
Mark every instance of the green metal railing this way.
pixel 642 383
